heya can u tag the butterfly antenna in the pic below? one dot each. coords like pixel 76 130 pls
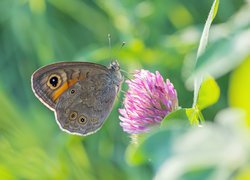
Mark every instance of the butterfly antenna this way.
pixel 118 50
pixel 123 44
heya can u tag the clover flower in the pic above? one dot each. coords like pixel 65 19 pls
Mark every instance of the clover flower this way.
pixel 148 100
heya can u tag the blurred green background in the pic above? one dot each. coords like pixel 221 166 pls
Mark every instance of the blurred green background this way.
pixel 159 35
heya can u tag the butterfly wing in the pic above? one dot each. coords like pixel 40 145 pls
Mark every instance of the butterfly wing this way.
pixel 50 81
pixel 83 108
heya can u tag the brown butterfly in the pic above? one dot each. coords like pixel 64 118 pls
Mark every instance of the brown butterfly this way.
pixel 81 94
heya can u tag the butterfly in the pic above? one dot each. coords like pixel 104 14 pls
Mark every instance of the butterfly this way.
pixel 81 94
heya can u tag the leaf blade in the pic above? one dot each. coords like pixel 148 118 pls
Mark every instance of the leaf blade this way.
pixel 209 93
pixel 202 46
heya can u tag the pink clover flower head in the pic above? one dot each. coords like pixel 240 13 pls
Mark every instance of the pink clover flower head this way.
pixel 148 100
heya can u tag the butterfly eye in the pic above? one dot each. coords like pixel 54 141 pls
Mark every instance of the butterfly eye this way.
pixel 82 119
pixel 54 81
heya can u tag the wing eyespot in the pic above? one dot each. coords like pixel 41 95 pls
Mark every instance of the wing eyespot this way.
pixel 54 81
pixel 73 115
pixel 72 91
pixel 82 120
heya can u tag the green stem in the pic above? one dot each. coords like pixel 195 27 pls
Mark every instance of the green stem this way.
pixel 201 117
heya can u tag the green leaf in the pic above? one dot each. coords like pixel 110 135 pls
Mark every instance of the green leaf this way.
pixel 146 145
pixel 133 155
pixel 209 93
pixel 198 172
pixel 195 153
pixel 227 53
pixel 202 46
pixel 186 116
pixel 176 116
pixel 156 147
pixel 205 33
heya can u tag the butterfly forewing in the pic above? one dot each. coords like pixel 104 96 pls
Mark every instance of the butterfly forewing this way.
pixel 66 74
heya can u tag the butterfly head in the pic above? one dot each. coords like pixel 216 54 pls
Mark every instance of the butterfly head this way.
pixel 114 68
